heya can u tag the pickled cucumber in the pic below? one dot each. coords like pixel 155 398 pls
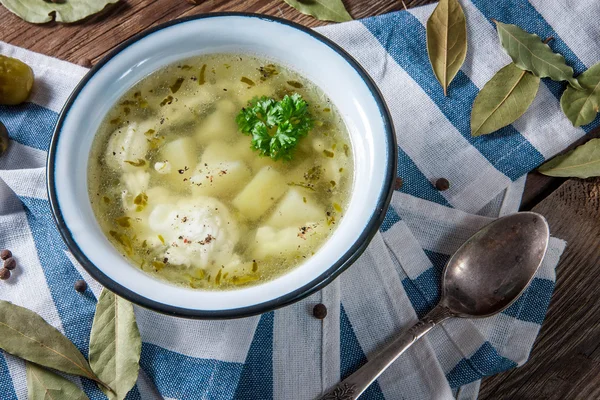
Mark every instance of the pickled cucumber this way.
pixel 16 81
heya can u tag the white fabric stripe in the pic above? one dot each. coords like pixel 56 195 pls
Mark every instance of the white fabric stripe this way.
pixel 219 340
pixel 54 79
pixel 29 276
pixel 26 279
pixel 330 357
pixel 433 234
pixel 544 114
pixel 20 156
pixel 375 321
pixel 26 182
pixel 513 196
pixel 16 369
pixel 469 392
pixel 408 100
pixel 146 387
pixel 401 242
pixel 580 34
pixel 297 349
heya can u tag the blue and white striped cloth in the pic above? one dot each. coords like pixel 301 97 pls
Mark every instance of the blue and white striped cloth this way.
pixel 288 354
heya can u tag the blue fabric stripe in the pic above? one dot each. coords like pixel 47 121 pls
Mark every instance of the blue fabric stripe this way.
pixel 484 362
pixel 533 304
pixel 29 124
pixel 403 37
pixel 415 183
pixel 7 391
pixel 188 378
pixel 524 15
pixel 76 310
pixel 391 217
pixel 352 356
pixel 256 381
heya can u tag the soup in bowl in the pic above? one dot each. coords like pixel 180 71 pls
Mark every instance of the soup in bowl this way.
pixel 203 169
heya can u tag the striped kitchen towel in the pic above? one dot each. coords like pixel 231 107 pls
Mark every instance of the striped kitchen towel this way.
pixel 287 353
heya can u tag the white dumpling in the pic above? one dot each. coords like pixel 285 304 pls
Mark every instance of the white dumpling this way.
pixel 182 156
pixel 197 232
pixel 286 242
pixel 136 183
pixel 128 143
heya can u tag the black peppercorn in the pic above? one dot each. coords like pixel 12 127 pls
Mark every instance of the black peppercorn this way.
pixel 4 254
pixel 10 264
pixel 398 183
pixel 4 274
pixel 320 311
pixel 442 184
pixel 80 285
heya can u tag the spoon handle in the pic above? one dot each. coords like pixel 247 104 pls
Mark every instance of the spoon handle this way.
pixel 354 385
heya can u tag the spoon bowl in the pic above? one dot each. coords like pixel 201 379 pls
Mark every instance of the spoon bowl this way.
pixel 494 267
pixel 485 276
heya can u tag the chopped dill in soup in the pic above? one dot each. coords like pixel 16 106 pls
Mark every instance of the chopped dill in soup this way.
pixel 220 171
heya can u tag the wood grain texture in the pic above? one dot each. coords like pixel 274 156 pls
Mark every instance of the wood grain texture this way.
pixel 539 186
pixel 565 361
pixel 95 36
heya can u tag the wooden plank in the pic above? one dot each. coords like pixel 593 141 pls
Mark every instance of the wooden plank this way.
pixel 538 186
pixel 565 361
pixel 94 37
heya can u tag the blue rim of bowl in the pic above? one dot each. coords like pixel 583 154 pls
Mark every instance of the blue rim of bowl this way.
pixel 347 259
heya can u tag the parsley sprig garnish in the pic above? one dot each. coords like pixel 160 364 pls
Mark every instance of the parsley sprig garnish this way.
pixel 275 126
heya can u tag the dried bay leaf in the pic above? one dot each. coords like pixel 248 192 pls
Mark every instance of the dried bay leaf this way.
pixel 40 11
pixel 25 334
pixel 323 10
pixel 115 344
pixel 503 99
pixel 447 41
pixel 582 162
pixel 530 53
pixel 581 106
pixel 43 384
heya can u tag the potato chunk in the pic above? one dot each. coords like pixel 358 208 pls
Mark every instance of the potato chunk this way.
pixel 218 125
pixel 261 193
pixel 224 178
pixel 182 156
pixel 294 209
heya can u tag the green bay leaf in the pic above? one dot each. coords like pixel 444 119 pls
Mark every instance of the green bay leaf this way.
pixel 40 11
pixel 503 99
pixel 323 10
pixel 447 41
pixel 25 334
pixel 43 384
pixel 582 162
pixel 530 53
pixel 581 106
pixel 115 344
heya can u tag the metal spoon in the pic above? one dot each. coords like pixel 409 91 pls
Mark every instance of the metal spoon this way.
pixel 484 277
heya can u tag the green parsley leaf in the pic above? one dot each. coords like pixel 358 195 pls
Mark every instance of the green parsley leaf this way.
pixel 275 126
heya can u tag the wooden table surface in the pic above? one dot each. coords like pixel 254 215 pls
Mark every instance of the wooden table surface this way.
pixel 565 361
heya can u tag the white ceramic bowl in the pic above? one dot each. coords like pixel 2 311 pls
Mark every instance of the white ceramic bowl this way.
pixel 312 55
